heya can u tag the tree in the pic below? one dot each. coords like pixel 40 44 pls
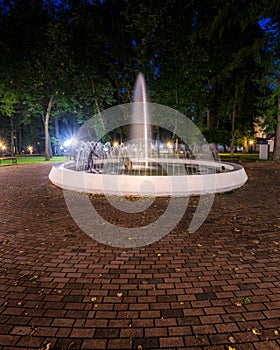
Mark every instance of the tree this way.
pixel 270 104
pixel 8 100
pixel 232 38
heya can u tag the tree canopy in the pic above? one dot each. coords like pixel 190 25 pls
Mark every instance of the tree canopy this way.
pixel 216 61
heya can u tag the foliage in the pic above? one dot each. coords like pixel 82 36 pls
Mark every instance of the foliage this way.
pixel 8 100
pixel 209 59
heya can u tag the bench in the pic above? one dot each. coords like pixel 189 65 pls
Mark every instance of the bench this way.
pixel 13 159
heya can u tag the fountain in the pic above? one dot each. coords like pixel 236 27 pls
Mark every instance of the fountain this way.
pixel 142 166
pixel 136 171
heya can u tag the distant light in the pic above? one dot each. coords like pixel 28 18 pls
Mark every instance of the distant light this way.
pixel 169 144
pixel 69 142
pixel 115 143
pixel 251 142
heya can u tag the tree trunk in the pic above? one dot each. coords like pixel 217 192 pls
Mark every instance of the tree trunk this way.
pixel 57 130
pixel 46 124
pixel 19 140
pixel 97 104
pixel 276 151
pixel 12 136
pixel 232 133
pixel 212 112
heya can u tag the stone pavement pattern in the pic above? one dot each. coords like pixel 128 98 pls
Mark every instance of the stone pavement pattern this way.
pixel 218 288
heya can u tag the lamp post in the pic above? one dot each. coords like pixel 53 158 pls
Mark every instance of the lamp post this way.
pixel 2 148
pixel 251 142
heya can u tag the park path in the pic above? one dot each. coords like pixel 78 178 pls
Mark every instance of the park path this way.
pixel 218 288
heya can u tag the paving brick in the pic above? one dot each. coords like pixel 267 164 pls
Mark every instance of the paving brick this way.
pixel 186 298
pixel 120 344
pixel 107 333
pixel 257 315
pixel 131 332
pixel 21 330
pixel 63 332
pixel 177 331
pixel 8 340
pixel 156 332
pixel 204 329
pixel 195 341
pixel 65 343
pixel 172 342
pixel 94 344
pixel 164 322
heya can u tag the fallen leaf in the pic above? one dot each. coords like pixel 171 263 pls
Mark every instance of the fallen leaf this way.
pixel 232 339
pixel 33 277
pixel 238 304
pixel 230 348
pixel 276 332
pixel 182 303
pixel 145 282
pixel 139 347
pixel 32 332
pixel 158 254
pixel 48 346
pixel 199 245
pixel 119 295
pixel 247 300
pixel 256 331
pixel 93 299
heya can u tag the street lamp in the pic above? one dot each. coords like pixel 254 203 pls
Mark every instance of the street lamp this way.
pixel 2 147
pixel 251 143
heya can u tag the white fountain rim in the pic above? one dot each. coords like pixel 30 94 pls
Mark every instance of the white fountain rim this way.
pixel 176 185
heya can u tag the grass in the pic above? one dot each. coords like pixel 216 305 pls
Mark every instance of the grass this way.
pixel 33 159
pixel 242 156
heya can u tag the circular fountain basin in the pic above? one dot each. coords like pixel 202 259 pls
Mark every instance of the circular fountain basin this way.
pixel 221 177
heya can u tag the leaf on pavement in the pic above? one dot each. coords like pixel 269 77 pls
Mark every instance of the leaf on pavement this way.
pixel 232 339
pixel 256 331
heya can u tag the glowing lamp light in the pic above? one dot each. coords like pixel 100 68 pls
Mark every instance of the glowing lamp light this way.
pixel 30 149
pixel 115 143
pixel 169 144
pixel 251 142
pixel 69 142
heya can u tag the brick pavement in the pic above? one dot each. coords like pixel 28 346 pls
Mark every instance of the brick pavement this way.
pixel 218 288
